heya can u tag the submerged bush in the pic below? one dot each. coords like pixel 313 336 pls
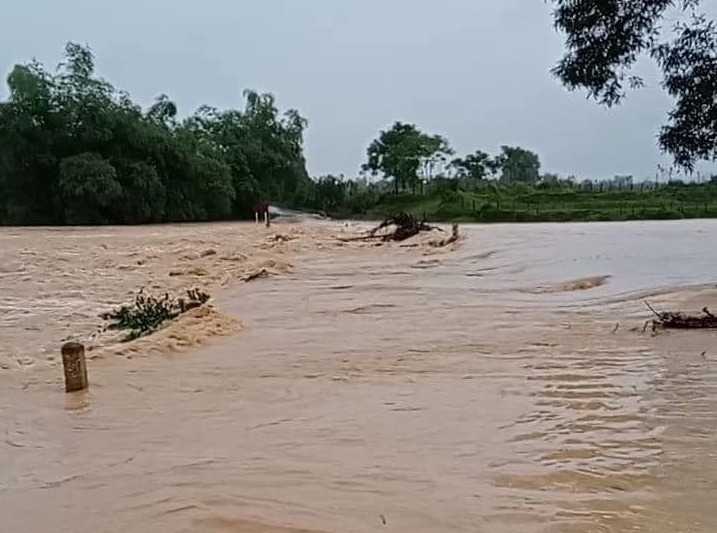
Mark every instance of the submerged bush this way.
pixel 147 314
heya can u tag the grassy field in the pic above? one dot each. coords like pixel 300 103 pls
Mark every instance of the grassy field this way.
pixel 698 201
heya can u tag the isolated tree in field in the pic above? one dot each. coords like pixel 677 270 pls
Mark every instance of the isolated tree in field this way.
pixel 604 39
pixel 518 165
pixel 475 166
pixel 435 156
pixel 399 153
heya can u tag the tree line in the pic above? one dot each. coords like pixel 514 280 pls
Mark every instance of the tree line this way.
pixel 76 150
pixel 410 157
pixel 405 160
pixel 407 168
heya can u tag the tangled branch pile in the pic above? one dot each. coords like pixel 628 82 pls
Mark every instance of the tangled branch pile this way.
pixel 670 320
pixel 148 313
pixel 404 227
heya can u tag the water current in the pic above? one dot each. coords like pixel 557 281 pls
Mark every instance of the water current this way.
pixel 503 385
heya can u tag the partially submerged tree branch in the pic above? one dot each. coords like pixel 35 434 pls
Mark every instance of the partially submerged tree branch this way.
pixel 679 320
pixel 454 236
pixel 404 227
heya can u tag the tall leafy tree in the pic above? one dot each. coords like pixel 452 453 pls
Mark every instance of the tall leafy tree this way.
pixel 475 166
pixel 518 164
pixel 436 151
pixel 401 151
pixel 604 39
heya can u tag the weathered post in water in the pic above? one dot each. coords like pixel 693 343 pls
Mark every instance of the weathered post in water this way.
pixel 261 209
pixel 73 362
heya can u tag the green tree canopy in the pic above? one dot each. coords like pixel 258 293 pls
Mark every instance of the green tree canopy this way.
pixel 475 166
pixel 518 164
pixel 73 149
pixel 403 150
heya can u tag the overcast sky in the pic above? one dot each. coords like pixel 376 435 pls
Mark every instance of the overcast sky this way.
pixel 475 71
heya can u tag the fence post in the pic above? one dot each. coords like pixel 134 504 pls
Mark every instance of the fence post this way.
pixel 74 366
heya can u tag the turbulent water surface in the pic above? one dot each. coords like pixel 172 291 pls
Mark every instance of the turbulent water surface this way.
pixel 502 385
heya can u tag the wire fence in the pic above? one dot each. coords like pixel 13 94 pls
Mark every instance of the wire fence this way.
pixel 594 210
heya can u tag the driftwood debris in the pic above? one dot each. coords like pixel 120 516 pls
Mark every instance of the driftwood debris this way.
pixel 679 320
pixel 255 275
pixel 149 313
pixel 453 237
pixel 404 227
pixel 281 238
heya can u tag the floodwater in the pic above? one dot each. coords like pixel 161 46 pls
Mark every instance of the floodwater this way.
pixel 502 385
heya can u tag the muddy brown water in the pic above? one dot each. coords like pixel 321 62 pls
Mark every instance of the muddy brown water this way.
pixel 501 386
